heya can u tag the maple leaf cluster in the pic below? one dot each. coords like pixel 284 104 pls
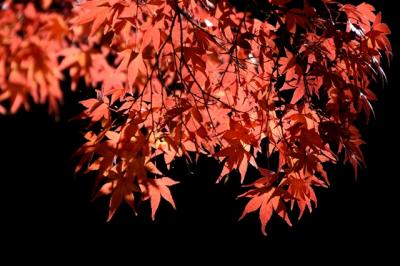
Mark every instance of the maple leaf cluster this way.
pixel 242 83
pixel 30 39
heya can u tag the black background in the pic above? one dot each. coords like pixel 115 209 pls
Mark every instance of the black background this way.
pixel 44 205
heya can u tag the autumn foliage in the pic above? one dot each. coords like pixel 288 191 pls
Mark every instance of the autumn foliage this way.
pixel 275 84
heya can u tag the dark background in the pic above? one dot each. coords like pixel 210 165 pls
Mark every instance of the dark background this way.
pixel 44 205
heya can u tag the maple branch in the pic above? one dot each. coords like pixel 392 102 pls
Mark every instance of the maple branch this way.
pixel 182 60
pixel 214 38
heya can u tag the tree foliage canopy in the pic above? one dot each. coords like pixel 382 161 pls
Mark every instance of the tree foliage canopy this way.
pixel 276 84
